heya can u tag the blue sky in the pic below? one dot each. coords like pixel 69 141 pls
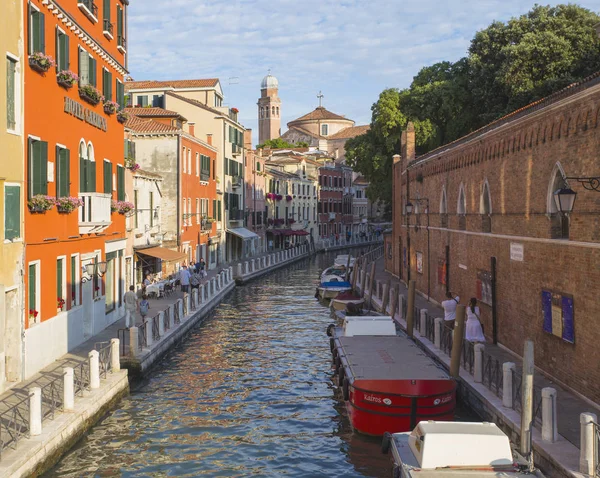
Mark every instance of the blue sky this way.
pixel 349 49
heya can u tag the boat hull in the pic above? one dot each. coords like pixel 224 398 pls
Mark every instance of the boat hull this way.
pixel 378 406
pixel 331 292
pixel 338 304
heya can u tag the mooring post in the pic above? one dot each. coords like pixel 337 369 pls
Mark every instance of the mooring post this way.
pixel 69 389
pixel 393 302
pixel 588 455
pixel 459 333
pixel 371 281
pixel 507 384
pixel 410 310
pixel 527 399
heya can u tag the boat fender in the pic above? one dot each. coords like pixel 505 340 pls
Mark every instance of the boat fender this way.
pixel 341 375
pixel 332 344
pixel 386 442
pixel 338 364
pixel 330 328
pixel 346 388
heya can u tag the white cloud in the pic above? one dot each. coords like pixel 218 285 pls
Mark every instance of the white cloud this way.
pixel 349 49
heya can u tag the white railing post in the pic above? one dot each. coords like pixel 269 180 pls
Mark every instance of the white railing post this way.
pixel 213 285
pixel 507 384
pixel 423 322
pixel 438 323
pixel 161 324
pixel 246 268
pixel 115 358
pixel 588 455
pixel 179 304
pixel 478 369
pixel 230 273
pixel 68 388
pixel 94 361
pixel 35 411
pixel 401 300
pixel 134 341
pixel 239 270
pixel 549 415
pixel 188 302
pixel 385 297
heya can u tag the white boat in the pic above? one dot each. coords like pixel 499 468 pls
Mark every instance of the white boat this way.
pixel 339 268
pixel 342 260
pixel 455 450
pixel 331 289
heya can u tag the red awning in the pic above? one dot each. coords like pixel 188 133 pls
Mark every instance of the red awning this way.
pixel 301 233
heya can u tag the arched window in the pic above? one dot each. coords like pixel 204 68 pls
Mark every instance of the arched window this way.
pixel 461 208
pixel 273 110
pixel 262 111
pixel 485 208
pixel 443 209
pixel 559 222
pixel 278 111
pixel 87 168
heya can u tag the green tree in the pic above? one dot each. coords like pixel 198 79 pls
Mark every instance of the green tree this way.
pixel 279 143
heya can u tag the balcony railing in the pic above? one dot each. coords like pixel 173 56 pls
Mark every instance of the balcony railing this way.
pixel 206 224
pixel 236 182
pixel 235 149
pixel 204 175
pixel 121 43
pixel 94 215
pixel 108 29
pixel 89 9
pixel 236 215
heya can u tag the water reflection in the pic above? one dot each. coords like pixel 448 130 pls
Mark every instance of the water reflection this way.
pixel 250 392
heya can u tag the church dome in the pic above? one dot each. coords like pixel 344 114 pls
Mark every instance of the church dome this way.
pixel 269 81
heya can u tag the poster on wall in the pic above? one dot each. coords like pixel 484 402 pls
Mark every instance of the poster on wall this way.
pixel 558 315
pixel 484 287
pixel 420 262
pixel 441 271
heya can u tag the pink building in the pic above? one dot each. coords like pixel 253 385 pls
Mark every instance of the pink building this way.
pixel 255 181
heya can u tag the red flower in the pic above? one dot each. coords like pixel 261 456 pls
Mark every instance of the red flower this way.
pixel 33 312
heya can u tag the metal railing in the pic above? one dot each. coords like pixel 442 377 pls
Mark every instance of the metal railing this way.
pixel 81 378
pixel 467 356
pixel 52 397
pixel 105 357
pixel 492 376
pixel 90 6
pixel 430 328
pixel 14 424
pixel 156 328
pixel 517 381
pixel 108 27
pixel 143 337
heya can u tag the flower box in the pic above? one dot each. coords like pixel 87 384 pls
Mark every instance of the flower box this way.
pixel 41 203
pixel 40 62
pixel 110 107
pixel 66 205
pixel 288 198
pixel 122 117
pixel 131 164
pixel 66 78
pixel 122 207
pixel 90 94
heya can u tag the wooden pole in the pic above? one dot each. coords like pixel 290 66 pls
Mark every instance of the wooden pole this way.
pixel 527 399
pixel 394 302
pixel 355 274
pixel 371 281
pixel 348 268
pixel 459 333
pixel 410 310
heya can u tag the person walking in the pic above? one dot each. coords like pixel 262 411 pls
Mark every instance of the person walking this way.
pixel 449 306
pixel 131 305
pixel 195 280
pixel 474 330
pixel 203 272
pixel 144 307
pixel 184 277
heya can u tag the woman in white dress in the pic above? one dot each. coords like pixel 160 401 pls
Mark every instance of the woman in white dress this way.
pixel 474 332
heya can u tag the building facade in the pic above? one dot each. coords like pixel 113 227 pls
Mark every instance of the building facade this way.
pixel 485 223
pixel 360 206
pixel 331 206
pixel 255 181
pixel 12 191
pixel 74 158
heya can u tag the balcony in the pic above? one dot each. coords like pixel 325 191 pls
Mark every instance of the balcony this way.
pixel 121 44
pixel 94 215
pixel 236 215
pixel 236 182
pixel 89 9
pixel 204 175
pixel 108 29
pixel 206 224
pixel 236 150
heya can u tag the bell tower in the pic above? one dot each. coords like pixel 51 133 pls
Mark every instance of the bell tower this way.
pixel 269 103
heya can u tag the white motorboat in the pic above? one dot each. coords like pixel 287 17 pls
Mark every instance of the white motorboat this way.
pixel 333 287
pixel 455 450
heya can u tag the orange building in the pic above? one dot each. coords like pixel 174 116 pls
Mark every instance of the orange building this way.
pixel 166 144
pixel 74 173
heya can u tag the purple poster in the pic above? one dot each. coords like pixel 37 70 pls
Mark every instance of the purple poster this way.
pixel 568 333
pixel 547 310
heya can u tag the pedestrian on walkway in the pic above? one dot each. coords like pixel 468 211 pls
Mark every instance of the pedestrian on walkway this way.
pixel 449 306
pixel 474 329
pixel 131 305
pixel 195 280
pixel 203 272
pixel 184 277
pixel 144 307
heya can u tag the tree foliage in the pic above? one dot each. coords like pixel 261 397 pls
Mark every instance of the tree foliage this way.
pixel 279 143
pixel 508 66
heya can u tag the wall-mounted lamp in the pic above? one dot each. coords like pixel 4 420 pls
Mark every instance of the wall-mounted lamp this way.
pixel 93 269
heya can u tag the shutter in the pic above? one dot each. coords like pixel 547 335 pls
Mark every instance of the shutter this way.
pixel 66 155
pixel 57 48
pixel 83 175
pixel 120 94
pixel 59 281
pixel 110 90
pixel 92 182
pixel 29 29
pixel 92 71
pixel 10 94
pixel 107 177
pixel 62 173
pixel 31 286
pixel 120 183
pixel 39 167
pixel 119 25
pixel 65 52
pixel 42 32
pixel 12 217
pixel 106 11
pixel 214 214
pixel 84 67
pixel 219 209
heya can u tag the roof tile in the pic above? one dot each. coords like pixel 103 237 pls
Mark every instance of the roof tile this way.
pixel 351 132
pixel 147 84
pixel 320 113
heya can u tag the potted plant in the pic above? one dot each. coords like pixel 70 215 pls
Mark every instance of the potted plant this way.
pixel 66 205
pixel 235 110
pixel 279 197
pixel 124 207
pixel 122 117
pixel 40 62
pixel 41 203
pixel 131 164
pixel 60 303
pixel 111 107
pixel 114 206
pixel 288 198
pixel 90 94
pixel 66 78
pixel 33 314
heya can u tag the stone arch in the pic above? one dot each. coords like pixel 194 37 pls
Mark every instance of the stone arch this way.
pixel 461 204
pixel 443 201
pixel 557 180
pixel 485 200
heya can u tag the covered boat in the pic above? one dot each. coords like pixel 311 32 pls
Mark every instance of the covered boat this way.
pixel 455 450
pixel 388 383
pixel 332 287
pixel 341 301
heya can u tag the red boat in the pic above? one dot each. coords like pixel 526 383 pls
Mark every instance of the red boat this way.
pixel 388 383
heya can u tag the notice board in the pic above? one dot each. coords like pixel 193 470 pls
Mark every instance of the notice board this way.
pixel 558 315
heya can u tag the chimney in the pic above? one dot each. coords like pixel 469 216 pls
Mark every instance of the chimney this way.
pixel 408 143
pixel 192 128
pixel 209 138
pixel 248 139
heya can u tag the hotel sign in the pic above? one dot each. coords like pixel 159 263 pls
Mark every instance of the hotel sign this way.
pixel 76 109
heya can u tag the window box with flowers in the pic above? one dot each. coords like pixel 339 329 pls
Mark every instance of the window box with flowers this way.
pixel 90 94
pixel 60 303
pixel 40 62
pixel 66 205
pixel 122 117
pixel 33 316
pixel 66 78
pixel 288 198
pixel 279 197
pixel 131 164
pixel 41 203
pixel 111 107
pixel 122 207
pixel 270 196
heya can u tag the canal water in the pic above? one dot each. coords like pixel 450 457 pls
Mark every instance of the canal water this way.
pixel 249 392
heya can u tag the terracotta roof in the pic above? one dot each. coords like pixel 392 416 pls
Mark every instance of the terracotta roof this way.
pixel 302 130
pixel 148 84
pixel 147 174
pixel 351 132
pixel 143 125
pixel 360 180
pixel 566 92
pixel 195 103
pixel 143 112
pixel 320 113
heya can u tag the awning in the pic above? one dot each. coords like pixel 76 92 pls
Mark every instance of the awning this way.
pixel 242 233
pixel 162 253
pixel 301 233
pixel 288 232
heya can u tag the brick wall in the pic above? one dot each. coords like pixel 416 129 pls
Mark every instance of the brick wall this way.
pixel 515 159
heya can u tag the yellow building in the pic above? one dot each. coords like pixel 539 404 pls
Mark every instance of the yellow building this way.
pixel 11 192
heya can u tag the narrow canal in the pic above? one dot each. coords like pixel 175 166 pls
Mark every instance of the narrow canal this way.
pixel 249 392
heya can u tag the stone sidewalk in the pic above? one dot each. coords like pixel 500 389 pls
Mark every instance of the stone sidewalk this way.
pixel 569 405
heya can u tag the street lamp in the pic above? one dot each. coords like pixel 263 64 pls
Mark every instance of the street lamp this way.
pixel 409 210
pixel 94 268
pixel 565 199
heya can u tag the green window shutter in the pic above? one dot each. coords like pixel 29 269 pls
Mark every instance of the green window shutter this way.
pixel 12 212
pixel 10 94
pixel 91 176
pixel 82 175
pixel 65 52
pixel 84 67
pixel 120 94
pixel 214 214
pixel 110 90
pixel 30 22
pixel 119 25
pixel 106 10
pixel 219 209
pixel 92 71
pixel 107 177
pixel 42 33
pixel 38 167
pixel 120 183
pixel 59 281
pixel 36 25
pixel 31 276
pixel 63 174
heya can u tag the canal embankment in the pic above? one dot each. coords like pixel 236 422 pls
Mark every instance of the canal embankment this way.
pixel 490 378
